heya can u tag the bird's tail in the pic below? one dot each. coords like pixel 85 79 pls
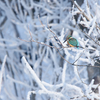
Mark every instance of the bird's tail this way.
pixel 79 47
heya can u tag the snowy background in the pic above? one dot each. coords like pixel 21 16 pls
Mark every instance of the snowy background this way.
pixel 35 64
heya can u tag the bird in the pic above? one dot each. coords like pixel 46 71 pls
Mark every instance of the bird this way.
pixel 72 42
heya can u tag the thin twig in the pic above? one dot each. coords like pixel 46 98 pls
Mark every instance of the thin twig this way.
pixel 78 57
pixel 30 33
pixel 79 76
pixel 55 36
pixel 23 40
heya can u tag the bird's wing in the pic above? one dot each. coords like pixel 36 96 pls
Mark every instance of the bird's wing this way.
pixel 73 42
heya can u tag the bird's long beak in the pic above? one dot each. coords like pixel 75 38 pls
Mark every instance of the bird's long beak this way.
pixel 64 41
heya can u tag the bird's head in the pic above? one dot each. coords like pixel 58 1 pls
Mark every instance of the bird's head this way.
pixel 68 37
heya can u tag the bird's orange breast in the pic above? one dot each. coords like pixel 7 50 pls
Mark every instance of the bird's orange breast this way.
pixel 70 44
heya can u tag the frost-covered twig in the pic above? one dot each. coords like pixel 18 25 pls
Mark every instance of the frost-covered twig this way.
pixel 25 63
pixel 90 93
pixel 75 3
pixel 51 94
pixel 2 71
pixel 19 82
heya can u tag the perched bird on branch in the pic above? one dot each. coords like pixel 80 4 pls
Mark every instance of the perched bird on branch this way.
pixel 72 42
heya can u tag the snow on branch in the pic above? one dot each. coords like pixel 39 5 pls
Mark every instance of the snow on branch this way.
pixel 2 71
pixel 25 63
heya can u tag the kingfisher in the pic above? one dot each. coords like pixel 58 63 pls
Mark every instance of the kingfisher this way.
pixel 72 42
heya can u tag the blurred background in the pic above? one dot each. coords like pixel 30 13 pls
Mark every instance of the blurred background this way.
pixel 70 77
